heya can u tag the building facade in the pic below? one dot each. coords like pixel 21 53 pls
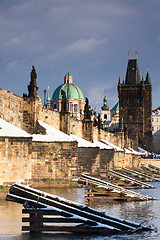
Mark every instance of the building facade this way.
pixel 135 107
pixel 74 97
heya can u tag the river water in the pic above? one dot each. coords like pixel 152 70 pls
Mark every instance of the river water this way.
pixel 146 212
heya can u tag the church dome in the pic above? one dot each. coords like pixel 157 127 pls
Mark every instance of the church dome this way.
pixel 71 90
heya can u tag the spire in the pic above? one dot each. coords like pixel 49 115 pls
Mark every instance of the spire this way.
pixel 148 80
pixel 48 98
pixel 105 107
pixel 132 74
pixel 95 110
pixel 142 80
pixel 119 81
pixel 123 79
pixel 45 99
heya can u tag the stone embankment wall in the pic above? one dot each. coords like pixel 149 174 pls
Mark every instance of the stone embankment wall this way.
pixel 53 161
pixel 15 160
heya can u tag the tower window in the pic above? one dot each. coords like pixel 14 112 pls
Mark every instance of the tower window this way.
pixel 105 116
pixel 131 115
pixel 75 108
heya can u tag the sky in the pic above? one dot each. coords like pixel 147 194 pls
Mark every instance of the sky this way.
pixel 90 38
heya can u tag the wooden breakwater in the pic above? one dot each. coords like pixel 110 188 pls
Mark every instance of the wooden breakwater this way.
pixel 100 189
pixel 122 178
pixel 50 213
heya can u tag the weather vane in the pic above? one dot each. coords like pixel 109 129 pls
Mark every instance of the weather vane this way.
pixel 136 54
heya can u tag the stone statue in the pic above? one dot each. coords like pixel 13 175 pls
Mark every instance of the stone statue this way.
pixel 32 88
pixel 33 76
pixel 99 121
pixel 87 110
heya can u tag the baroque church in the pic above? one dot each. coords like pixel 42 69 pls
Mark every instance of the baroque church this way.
pixel 74 97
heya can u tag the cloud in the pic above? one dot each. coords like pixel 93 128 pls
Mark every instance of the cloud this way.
pixel 83 45
pixel 13 41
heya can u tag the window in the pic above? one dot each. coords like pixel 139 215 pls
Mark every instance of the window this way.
pixel 105 116
pixel 75 108
pixel 131 115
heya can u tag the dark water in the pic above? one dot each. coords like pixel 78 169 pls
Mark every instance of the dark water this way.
pixel 140 212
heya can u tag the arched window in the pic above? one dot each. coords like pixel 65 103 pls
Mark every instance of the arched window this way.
pixel 105 116
pixel 75 108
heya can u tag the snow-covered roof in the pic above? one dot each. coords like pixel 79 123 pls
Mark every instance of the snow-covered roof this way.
pixel 117 149
pixel 52 135
pixel 101 145
pixel 135 152
pixel 82 142
pixel 144 152
pixel 9 130
pixel 127 151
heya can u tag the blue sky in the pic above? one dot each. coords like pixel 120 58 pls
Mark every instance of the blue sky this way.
pixel 91 38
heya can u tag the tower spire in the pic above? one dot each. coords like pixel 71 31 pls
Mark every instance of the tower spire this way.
pixel 48 98
pixel 148 80
pixel 105 107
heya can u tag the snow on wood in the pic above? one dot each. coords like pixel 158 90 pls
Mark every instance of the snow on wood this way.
pixel 92 221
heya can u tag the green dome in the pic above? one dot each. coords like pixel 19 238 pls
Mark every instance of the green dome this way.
pixel 71 90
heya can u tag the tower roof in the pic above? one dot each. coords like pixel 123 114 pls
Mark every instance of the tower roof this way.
pixel 116 107
pixel 71 90
pixel 148 80
pixel 132 74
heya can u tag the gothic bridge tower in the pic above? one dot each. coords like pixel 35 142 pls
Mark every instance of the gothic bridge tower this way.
pixel 135 107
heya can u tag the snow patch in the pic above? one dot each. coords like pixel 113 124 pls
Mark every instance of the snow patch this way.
pixel 116 148
pixel 9 130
